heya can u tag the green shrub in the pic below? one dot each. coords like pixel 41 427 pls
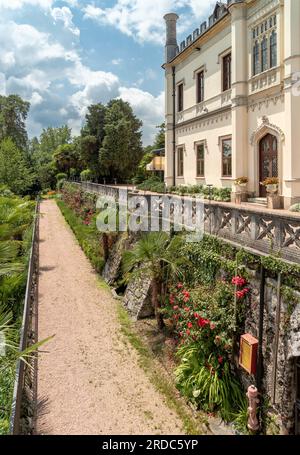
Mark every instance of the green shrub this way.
pixel 60 184
pixel 86 175
pixel 152 184
pixel 207 382
pixel 87 235
pixel 61 176
pixel 295 208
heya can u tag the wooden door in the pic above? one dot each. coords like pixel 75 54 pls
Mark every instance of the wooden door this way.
pixel 268 160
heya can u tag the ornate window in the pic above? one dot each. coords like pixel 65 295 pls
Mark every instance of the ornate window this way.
pixel 180 162
pixel 264 45
pixel 200 150
pixel 264 54
pixel 273 49
pixel 255 58
pixel 226 144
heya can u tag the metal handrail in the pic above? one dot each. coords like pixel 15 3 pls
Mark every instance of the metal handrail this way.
pixel 20 368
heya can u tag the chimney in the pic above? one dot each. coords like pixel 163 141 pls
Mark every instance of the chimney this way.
pixel 171 36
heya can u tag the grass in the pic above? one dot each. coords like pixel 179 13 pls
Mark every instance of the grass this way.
pixel 160 381
pixel 88 237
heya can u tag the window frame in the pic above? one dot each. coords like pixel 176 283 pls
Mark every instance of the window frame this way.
pixel 180 97
pixel 271 46
pixel 200 87
pixel 200 144
pixel 226 75
pixel 222 140
pixel 178 164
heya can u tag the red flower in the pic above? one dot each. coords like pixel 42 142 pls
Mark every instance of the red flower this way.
pixel 188 332
pixel 179 286
pixel 212 326
pixel 196 315
pixel 202 322
pixel 240 294
pixel 180 334
pixel 186 309
pixel 190 325
pixel 220 359
pixel 175 307
pixel 186 299
pixel 186 294
pixel 239 281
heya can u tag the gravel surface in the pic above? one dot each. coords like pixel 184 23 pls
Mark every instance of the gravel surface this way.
pixel 89 380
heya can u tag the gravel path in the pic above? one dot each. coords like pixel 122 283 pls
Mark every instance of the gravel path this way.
pixel 89 380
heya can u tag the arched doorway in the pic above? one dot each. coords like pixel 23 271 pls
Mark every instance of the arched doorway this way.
pixel 268 160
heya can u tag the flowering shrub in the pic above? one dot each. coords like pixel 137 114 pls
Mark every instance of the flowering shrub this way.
pixel 203 320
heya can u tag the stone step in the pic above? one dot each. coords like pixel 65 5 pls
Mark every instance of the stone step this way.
pixel 258 200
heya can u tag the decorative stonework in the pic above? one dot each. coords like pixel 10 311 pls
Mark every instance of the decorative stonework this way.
pixel 264 128
pixel 264 103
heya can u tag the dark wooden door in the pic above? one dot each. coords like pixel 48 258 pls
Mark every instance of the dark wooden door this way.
pixel 268 160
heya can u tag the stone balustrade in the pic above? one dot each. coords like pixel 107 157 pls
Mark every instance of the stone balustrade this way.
pixel 264 231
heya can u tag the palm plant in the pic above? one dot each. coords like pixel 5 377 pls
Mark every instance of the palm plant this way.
pixel 156 255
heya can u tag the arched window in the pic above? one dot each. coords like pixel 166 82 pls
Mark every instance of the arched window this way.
pixel 273 49
pixel 264 54
pixel 256 58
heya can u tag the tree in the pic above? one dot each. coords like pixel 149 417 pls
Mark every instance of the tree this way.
pixel 159 142
pixel 122 149
pixel 14 171
pixel 92 135
pixel 13 114
pixel 65 158
pixel 42 150
pixel 157 255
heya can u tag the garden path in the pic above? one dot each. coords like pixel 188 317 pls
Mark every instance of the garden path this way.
pixel 89 379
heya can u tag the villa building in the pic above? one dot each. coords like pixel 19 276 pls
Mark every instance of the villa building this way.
pixel 233 98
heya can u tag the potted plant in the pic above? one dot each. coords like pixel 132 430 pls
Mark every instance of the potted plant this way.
pixel 271 184
pixel 241 183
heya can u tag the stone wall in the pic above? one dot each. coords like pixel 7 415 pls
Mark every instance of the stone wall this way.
pixel 288 349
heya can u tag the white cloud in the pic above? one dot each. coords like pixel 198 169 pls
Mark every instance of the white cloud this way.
pixel 18 4
pixel 143 20
pixel 148 108
pixel 35 99
pixel 117 61
pixel 2 84
pixel 65 15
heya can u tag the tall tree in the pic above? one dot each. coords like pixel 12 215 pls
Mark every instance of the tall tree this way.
pixel 14 170
pixel 92 136
pixel 13 114
pixel 65 158
pixel 159 142
pixel 122 149
pixel 42 151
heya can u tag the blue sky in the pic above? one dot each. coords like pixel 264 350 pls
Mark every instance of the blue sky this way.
pixel 64 55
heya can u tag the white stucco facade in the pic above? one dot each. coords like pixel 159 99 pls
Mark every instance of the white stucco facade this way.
pixel 260 103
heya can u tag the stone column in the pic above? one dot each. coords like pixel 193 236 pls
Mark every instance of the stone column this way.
pixel 170 53
pixel 239 76
pixel 291 161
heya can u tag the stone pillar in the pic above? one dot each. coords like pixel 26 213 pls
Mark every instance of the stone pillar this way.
pixel 291 161
pixel 170 53
pixel 239 76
